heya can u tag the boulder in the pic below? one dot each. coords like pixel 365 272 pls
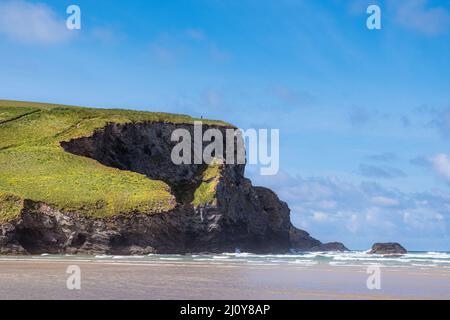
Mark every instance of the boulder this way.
pixel 390 248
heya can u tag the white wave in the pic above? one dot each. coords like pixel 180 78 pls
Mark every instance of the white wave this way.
pixel 371 259
pixel 431 261
pixel 342 264
pixel 103 256
pixel 278 261
pixel 439 255
pixel 353 258
pixel 424 265
pixel 304 262
pixel 243 254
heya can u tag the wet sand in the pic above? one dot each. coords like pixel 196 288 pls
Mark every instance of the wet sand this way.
pixel 180 280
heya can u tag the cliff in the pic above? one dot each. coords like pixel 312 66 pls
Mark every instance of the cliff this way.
pixel 83 180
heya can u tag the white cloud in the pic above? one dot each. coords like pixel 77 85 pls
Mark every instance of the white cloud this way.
pixel 385 201
pixel 418 15
pixel 290 97
pixel 196 34
pixel 353 224
pixel 423 219
pixel 32 23
pixel 415 15
pixel 219 54
pixel 105 35
pixel 213 99
pixel 320 216
pixel 162 53
pixel 357 7
pixel 441 164
pixel 360 214
pixel 327 204
pixel 178 47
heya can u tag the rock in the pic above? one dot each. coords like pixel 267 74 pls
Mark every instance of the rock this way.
pixel 137 250
pixel 390 248
pixel 12 250
pixel 301 241
pixel 332 246
pixel 240 215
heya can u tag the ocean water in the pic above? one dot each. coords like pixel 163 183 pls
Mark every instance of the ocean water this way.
pixel 337 259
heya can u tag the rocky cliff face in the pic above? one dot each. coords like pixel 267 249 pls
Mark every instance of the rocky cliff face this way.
pixel 233 214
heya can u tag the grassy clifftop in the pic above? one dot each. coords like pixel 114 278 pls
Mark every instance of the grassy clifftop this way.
pixel 34 166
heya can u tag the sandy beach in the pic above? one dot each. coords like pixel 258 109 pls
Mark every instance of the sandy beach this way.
pixel 31 279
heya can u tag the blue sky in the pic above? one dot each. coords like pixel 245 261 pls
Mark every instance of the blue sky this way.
pixel 364 115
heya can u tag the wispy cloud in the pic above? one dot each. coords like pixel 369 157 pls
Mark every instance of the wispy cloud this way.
pixel 319 216
pixel 382 157
pixel 163 53
pixel 293 98
pixel 440 121
pixel 218 54
pixel 362 213
pixel 196 34
pixel 384 172
pixel 420 161
pixel 415 15
pixel 405 121
pixel 183 45
pixel 441 164
pixel 106 35
pixel 359 116
pixel 385 201
pixel 213 99
pixel 32 23
pixel 358 7
pixel 421 16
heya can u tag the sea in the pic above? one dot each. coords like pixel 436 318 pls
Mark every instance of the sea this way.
pixel 351 258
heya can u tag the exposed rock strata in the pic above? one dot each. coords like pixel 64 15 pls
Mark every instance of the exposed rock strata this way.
pixel 240 216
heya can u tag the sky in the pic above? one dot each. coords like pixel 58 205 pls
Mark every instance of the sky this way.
pixel 364 115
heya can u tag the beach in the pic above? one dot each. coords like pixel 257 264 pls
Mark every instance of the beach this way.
pixel 125 278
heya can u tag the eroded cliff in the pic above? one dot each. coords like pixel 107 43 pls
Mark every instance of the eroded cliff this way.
pixel 213 208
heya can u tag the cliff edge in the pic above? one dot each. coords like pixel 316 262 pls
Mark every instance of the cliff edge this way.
pixel 84 180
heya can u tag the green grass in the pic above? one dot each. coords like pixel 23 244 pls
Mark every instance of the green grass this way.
pixel 205 194
pixel 34 166
pixel 8 114
pixel 10 206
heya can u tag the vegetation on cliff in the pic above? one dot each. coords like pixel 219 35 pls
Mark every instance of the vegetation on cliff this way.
pixel 34 166
pixel 205 193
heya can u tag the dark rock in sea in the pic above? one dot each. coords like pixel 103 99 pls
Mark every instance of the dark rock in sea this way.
pixel 331 246
pixel 302 241
pixel 390 248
